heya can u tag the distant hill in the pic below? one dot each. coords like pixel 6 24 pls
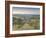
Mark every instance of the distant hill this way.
pixel 27 16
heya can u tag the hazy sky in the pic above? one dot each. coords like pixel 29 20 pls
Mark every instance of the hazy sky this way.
pixel 24 10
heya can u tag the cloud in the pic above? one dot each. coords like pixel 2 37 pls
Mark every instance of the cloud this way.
pixel 26 11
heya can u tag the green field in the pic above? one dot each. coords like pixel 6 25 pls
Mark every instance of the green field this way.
pixel 26 22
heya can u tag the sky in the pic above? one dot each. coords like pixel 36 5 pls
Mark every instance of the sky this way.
pixel 25 10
